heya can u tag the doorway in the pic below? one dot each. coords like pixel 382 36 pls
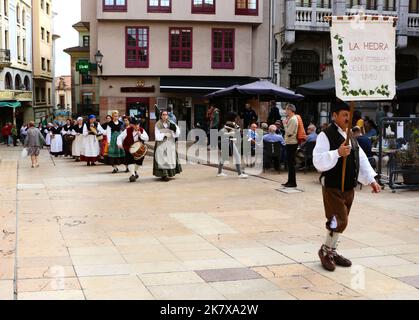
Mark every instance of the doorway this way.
pixel 139 108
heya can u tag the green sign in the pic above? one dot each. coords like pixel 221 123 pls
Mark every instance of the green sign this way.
pixel 83 66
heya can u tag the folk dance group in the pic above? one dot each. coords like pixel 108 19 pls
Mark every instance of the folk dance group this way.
pixel 117 143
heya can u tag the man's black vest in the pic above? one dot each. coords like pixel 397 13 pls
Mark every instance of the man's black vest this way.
pixel 333 177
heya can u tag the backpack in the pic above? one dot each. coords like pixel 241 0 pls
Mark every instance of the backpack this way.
pixel 301 135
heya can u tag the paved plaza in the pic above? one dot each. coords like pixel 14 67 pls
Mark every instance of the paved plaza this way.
pixel 82 233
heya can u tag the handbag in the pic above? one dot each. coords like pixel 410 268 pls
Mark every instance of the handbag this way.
pixel 24 153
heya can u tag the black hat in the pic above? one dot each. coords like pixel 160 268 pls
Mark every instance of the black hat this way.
pixel 340 105
pixel 134 121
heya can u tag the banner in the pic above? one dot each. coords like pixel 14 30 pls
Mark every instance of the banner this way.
pixel 364 57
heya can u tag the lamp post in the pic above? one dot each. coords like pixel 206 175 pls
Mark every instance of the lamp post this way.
pixel 99 58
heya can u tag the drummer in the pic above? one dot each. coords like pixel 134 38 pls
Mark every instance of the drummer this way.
pixel 134 133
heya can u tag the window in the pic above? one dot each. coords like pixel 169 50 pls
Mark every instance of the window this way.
pixel 180 46
pixel 49 65
pixel 86 79
pixel 42 4
pixel 24 49
pixel 18 48
pixel 47 8
pixel 23 17
pixel 27 83
pixel 389 5
pixel 223 48
pixel 43 63
pixel 42 33
pixel 18 14
pixel 203 6
pixel 6 39
pixel 6 7
pixel 115 5
pixel 247 7
pixel 86 41
pixel 414 6
pixel 18 83
pixel 137 47
pixel 164 6
pixel 48 36
pixel 8 81
pixel 49 96
pixel 371 4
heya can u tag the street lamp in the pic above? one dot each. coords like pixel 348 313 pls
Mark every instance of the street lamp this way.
pixel 99 58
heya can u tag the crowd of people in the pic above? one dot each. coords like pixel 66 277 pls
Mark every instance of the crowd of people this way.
pixel 119 141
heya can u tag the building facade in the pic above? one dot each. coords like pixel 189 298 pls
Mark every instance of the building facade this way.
pixel 172 52
pixel 15 61
pixel 84 86
pixel 63 93
pixel 303 42
pixel 42 58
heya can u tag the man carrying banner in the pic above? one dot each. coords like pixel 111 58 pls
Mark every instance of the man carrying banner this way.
pixel 328 157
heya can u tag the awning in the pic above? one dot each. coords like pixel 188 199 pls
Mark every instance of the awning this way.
pixel 10 104
pixel 200 85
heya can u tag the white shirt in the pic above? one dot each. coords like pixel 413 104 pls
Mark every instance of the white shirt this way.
pixel 324 159
pixel 160 136
pixel 136 135
pixel 99 130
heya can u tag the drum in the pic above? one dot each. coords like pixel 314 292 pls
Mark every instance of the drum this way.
pixel 138 150
pixel 69 138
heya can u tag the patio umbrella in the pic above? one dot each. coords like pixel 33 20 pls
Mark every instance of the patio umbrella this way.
pixel 409 89
pixel 224 92
pixel 267 88
pixel 319 90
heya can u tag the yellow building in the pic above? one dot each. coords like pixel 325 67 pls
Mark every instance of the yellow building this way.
pixel 42 35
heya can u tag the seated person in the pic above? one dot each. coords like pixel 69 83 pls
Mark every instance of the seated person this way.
pixel 311 140
pixel 364 142
pixel 371 128
pixel 272 136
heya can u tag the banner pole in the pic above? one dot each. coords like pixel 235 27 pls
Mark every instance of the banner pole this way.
pixel 348 136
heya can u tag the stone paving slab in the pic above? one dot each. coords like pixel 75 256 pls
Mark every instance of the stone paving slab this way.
pixel 228 275
pixel 181 240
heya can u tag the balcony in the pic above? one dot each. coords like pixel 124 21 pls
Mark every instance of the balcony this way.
pixel 16 95
pixel 312 18
pixel 413 24
pixel 87 109
pixel 5 58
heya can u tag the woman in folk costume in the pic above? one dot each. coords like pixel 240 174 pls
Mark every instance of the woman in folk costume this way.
pixel 47 133
pixel 116 156
pixel 328 158
pixel 104 144
pixel 166 161
pixel 91 131
pixel 77 146
pixel 134 133
pixel 56 140
pixel 67 137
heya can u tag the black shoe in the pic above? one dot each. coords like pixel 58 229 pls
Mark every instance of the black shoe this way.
pixel 115 170
pixel 127 170
pixel 93 164
pixel 132 179
pixel 137 176
pixel 284 184
pixel 88 164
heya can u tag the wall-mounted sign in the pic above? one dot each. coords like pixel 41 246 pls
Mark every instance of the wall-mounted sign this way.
pixel 138 89
pixel 84 66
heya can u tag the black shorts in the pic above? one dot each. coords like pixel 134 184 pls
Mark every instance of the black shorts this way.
pixel 129 159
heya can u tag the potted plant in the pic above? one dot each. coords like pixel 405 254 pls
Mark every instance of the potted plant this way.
pixel 408 158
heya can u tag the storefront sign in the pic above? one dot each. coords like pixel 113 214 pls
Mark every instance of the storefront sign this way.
pixel 364 57
pixel 138 89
